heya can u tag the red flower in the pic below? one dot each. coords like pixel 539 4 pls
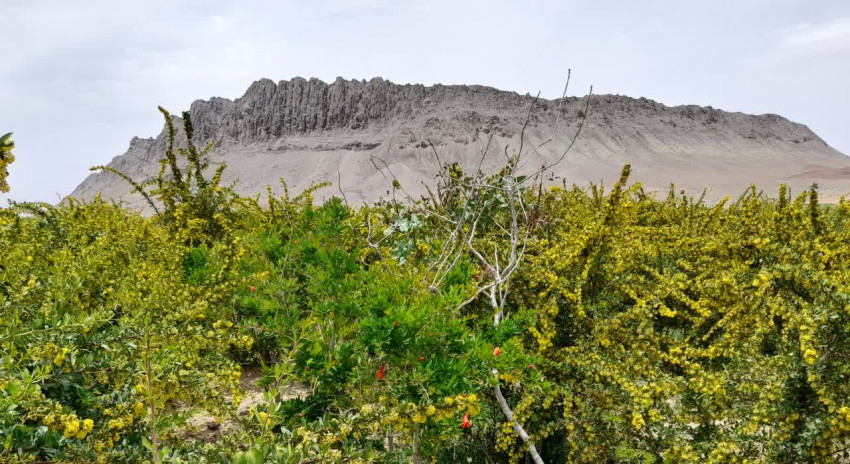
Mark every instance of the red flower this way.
pixel 296 242
pixel 252 288
pixel 306 368
pixel 421 358
pixel 465 423
pixel 380 374
pixel 497 351
pixel 395 323
pixel 531 366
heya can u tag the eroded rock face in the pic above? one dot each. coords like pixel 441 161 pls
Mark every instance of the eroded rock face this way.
pixel 269 110
pixel 311 131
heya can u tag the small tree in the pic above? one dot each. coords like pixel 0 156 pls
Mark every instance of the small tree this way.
pixel 474 214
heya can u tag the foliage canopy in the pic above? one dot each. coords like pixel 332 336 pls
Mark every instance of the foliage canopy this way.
pixel 629 328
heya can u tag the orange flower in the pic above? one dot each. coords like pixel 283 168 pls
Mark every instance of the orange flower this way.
pixel 421 358
pixel 380 374
pixel 465 423
pixel 497 351
pixel 252 288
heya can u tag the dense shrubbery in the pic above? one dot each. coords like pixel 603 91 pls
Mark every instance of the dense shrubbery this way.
pixel 630 329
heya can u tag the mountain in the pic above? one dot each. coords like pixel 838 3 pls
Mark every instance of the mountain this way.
pixel 307 131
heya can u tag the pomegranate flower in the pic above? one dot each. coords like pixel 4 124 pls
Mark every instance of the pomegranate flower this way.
pixel 380 374
pixel 465 423
pixel 252 288
pixel 497 351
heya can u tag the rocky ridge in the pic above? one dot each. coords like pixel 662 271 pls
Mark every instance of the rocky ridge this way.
pixel 308 131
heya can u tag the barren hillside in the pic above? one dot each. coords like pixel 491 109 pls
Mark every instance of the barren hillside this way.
pixel 308 131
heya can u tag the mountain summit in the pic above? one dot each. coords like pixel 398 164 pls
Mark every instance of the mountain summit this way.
pixel 359 133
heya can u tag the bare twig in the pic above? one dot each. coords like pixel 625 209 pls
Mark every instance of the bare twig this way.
pixel 575 137
pixel 527 120
pixel 339 184
pixel 374 245
pixel 436 155
pixel 557 124
pixel 484 153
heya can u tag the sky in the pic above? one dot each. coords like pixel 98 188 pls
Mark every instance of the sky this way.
pixel 79 79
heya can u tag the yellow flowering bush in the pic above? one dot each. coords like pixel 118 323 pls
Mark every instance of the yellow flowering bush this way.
pixel 680 332
pixel 100 326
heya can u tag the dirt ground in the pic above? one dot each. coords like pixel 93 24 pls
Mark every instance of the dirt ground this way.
pixel 203 426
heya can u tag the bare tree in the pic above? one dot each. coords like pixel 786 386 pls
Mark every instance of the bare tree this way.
pixel 504 203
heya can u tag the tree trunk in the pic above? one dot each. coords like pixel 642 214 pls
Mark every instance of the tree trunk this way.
pixel 509 415
pixel 416 458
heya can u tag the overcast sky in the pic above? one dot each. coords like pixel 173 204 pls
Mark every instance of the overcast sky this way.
pixel 79 79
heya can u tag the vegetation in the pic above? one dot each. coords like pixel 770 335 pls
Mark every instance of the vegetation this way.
pixel 491 321
pixel 6 158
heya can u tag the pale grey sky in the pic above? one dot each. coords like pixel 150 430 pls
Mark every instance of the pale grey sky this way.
pixel 79 79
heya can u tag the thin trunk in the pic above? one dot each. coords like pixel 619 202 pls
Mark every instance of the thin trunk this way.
pixel 509 415
pixel 503 403
pixel 416 458
pixel 151 400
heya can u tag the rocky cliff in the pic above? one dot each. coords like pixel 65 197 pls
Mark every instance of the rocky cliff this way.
pixel 309 131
